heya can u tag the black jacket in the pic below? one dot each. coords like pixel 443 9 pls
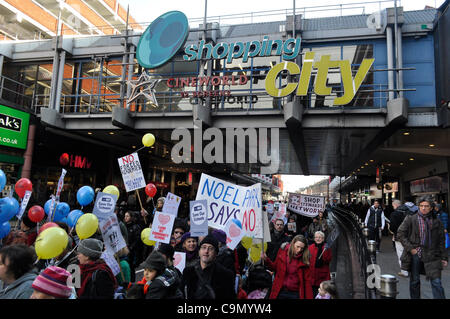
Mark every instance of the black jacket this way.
pixel 275 243
pixel 165 286
pixel 215 277
pixel 397 218
pixel 226 258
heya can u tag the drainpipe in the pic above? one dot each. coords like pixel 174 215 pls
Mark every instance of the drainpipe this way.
pixel 390 62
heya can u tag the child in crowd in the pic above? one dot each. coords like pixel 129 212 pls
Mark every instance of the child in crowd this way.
pixel 327 290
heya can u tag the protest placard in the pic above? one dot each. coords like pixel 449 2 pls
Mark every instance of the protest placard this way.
pixel 292 227
pixel 171 204
pixel 179 261
pixel 234 232
pixel 306 205
pixel 104 205
pixel 198 218
pixel 112 236
pixel 131 171
pixel 111 262
pixel 227 201
pixel 269 207
pixel 23 205
pixel 162 227
pixel 60 184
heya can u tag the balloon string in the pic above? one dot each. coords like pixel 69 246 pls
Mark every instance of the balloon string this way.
pixel 37 260
pixel 67 255
pixel 141 148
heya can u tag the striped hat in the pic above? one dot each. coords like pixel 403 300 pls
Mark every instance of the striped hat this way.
pixel 53 281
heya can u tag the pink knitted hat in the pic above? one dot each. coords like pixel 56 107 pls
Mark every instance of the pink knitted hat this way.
pixel 53 281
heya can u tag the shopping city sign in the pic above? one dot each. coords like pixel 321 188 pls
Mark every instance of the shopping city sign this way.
pixel 165 36
pixel 351 84
pixel 13 127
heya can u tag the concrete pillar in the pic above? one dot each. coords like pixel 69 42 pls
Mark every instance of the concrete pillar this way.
pixel 400 60
pixel 28 156
pixel 62 63
pixel 390 61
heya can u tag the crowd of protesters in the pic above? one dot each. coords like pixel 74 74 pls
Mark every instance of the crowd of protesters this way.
pixel 294 266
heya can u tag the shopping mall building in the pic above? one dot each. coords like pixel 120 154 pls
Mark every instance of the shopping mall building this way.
pixel 363 96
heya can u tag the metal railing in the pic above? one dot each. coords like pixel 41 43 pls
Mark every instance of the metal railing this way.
pixel 347 222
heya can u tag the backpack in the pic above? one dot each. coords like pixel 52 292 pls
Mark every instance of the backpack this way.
pixel 174 291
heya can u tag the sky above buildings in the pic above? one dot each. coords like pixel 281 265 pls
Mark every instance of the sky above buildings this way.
pixel 148 10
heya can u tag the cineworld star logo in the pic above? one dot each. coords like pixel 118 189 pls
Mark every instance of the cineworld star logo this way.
pixel 144 86
pixel 10 123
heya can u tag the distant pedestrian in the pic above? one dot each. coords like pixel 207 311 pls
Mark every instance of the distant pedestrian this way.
pixel 397 217
pixel 423 238
pixel 375 221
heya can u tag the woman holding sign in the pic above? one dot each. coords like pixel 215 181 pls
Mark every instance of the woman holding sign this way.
pixel 292 272
pixel 189 245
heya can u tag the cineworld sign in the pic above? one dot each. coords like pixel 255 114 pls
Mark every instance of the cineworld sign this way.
pixel 166 35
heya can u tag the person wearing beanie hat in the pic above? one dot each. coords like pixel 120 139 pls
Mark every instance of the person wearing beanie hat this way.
pixel 189 245
pixel 52 284
pixel 97 279
pixel 220 235
pixel 208 279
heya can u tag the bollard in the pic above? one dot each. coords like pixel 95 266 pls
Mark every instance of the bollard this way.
pixel 372 246
pixel 365 232
pixel 388 287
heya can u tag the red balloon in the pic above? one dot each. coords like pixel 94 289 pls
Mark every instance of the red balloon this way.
pixel 150 190
pixel 36 213
pixel 23 185
pixel 47 226
pixel 64 159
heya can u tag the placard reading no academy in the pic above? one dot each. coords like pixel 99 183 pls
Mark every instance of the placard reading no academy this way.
pixel 131 171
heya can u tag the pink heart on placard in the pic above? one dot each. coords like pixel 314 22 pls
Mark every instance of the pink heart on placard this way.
pixel 163 219
pixel 177 259
pixel 234 230
pixel 279 214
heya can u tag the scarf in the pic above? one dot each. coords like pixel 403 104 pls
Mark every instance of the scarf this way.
pixel 319 260
pixel 425 223
pixel 87 270
pixel 190 255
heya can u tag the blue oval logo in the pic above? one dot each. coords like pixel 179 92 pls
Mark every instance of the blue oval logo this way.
pixel 162 39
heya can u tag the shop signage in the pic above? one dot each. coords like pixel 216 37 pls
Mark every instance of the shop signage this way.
pixel 351 84
pixel 13 127
pixel 75 161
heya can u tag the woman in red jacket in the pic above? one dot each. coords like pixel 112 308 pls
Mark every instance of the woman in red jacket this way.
pixel 320 261
pixel 292 273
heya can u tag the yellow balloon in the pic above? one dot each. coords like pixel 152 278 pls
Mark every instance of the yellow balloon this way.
pixel 51 243
pixel 148 139
pixel 86 226
pixel 255 254
pixel 246 242
pixel 145 234
pixel 111 189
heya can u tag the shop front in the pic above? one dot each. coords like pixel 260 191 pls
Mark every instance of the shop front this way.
pixel 14 125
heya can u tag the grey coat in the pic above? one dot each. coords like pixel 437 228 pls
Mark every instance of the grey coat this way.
pixel 19 289
pixel 408 235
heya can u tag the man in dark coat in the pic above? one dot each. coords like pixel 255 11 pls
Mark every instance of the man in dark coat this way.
pixel 208 279
pixel 375 221
pixel 397 217
pixel 423 238
pixel 277 238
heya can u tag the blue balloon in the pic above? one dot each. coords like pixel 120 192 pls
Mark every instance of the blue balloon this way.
pixel 61 212
pixel 2 180
pixel 85 195
pixel 73 216
pixel 5 228
pixel 9 207
pixel 47 206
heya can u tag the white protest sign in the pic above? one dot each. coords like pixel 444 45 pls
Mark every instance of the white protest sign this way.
pixel 234 232
pixel 23 205
pixel 112 236
pixel 131 171
pixel 227 201
pixel 279 215
pixel 292 227
pixel 179 261
pixel 60 183
pixel 53 204
pixel 199 218
pixel 104 205
pixel 171 204
pixel 111 262
pixel 306 205
pixel 269 207
pixel 162 227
